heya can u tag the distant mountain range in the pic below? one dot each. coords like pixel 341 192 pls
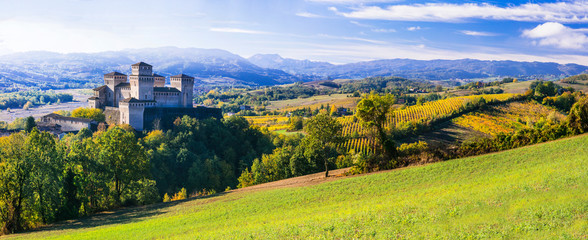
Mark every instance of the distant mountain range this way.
pixel 421 69
pixel 220 66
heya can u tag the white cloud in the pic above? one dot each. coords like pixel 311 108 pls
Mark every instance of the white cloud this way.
pixel 352 1
pixel 558 12
pixel 237 30
pixel 353 39
pixel 413 28
pixel 360 24
pixel 384 30
pixel 557 35
pixel 478 34
pixel 308 15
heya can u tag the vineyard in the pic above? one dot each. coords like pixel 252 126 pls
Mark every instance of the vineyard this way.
pixel 508 117
pixel 420 113
pixel 272 122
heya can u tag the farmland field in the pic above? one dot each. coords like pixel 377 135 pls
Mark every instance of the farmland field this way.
pixel 339 100
pixel 534 192
pixel 507 118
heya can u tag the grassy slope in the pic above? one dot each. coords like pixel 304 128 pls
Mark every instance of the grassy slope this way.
pixel 533 192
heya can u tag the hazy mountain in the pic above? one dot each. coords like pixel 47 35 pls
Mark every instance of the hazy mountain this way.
pixel 292 66
pixel 423 69
pixel 209 64
pixel 50 70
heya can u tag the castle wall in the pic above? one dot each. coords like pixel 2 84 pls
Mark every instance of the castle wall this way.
pixel 142 87
pixel 167 99
pixel 132 114
pixel 112 115
pixel 68 124
pixel 93 103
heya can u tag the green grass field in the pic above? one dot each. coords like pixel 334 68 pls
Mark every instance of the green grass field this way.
pixel 536 192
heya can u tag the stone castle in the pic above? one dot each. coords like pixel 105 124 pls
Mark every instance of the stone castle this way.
pixel 142 99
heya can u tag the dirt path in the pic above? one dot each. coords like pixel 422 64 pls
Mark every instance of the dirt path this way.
pixel 306 180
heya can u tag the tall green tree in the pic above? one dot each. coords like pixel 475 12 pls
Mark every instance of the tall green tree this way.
pixel 30 124
pixel 15 172
pixel 372 111
pixel 42 155
pixel 123 158
pixel 327 131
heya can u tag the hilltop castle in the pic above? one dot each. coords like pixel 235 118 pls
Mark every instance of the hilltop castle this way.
pixel 143 100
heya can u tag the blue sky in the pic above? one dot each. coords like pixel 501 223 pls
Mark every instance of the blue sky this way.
pixel 337 31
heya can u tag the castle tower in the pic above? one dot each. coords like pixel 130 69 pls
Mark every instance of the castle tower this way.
pixel 131 112
pixel 185 84
pixel 159 81
pixel 142 81
pixel 111 80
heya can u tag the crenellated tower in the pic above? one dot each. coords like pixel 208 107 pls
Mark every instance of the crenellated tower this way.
pixel 185 84
pixel 112 80
pixel 142 81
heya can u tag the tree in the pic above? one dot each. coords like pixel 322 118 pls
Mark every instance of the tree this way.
pixel 372 112
pixel 328 132
pixel 296 123
pixel 30 124
pixel 122 157
pixel 89 113
pixel 14 176
pixel 578 117
pixel 42 154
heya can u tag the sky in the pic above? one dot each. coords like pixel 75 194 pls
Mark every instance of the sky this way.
pixel 336 31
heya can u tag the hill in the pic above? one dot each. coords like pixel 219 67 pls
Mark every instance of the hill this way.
pixel 535 192
pixel 213 65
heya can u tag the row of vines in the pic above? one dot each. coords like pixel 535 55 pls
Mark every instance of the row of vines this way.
pixel 425 112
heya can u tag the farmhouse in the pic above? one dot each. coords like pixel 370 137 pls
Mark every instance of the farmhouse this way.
pixel 68 124
pixel 143 101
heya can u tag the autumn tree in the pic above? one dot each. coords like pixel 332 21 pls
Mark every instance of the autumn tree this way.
pixel 578 117
pixel 89 113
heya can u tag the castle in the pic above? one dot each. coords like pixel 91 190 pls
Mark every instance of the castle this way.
pixel 143 100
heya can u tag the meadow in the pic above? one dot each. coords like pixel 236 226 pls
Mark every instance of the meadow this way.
pixel 534 192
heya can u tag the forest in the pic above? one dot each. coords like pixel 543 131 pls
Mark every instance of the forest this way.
pixel 26 99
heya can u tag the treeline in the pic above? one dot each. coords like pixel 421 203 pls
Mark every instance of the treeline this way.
pixel 578 79
pixel 480 84
pixel 389 85
pixel 45 179
pixel 21 99
pixel 234 100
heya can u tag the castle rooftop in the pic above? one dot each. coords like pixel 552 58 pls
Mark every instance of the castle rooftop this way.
pixel 114 74
pixel 165 89
pixel 100 88
pixel 141 64
pixel 124 84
